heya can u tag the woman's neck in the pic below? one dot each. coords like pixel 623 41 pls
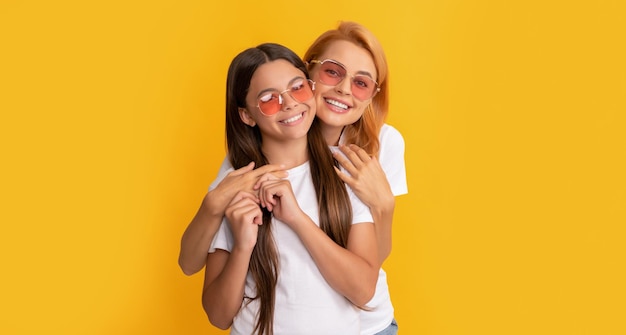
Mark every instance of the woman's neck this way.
pixel 332 135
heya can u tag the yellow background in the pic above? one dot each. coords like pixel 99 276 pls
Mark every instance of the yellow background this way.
pixel 112 124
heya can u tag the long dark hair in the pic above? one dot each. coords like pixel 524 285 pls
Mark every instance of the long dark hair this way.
pixel 244 145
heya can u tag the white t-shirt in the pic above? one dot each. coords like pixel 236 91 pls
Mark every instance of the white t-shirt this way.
pixel 305 302
pixel 391 159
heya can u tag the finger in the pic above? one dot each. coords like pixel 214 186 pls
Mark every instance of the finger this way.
pixel 241 208
pixel 258 219
pixel 243 170
pixel 270 168
pixel 248 213
pixel 237 198
pixel 363 155
pixel 243 198
pixel 270 193
pixel 254 215
pixel 344 177
pixel 352 156
pixel 277 175
pixel 262 196
pixel 345 163
pixel 262 191
pixel 269 200
pixel 235 210
pixel 250 196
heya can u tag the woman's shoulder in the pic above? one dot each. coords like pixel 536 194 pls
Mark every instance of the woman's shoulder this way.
pixel 389 135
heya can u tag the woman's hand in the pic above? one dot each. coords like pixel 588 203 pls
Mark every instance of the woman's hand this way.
pixel 366 177
pixel 243 179
pixel 369 182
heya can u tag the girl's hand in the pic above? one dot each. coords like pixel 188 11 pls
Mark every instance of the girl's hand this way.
pixel 366 177
pixel 277 196
pixel 243 179
pixel 244 216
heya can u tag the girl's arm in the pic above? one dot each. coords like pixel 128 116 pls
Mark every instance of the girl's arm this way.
pixel 225 274
pixel 369 182
pixel 199 233
pixel 224 282
pixel 351 271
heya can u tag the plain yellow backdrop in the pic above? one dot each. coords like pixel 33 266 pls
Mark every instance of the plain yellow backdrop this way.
pixel 111 130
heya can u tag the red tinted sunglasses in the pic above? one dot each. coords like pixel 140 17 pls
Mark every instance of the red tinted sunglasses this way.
pixel 332 73
pixel 270 102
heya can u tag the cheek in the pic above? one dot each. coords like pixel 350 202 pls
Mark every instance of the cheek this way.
pixel 312 103
pixel 359 109
pixel 320 90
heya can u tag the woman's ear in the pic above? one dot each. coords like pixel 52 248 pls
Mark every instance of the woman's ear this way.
pixel 246 118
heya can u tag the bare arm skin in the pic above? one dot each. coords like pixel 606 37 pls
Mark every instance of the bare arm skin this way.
pixel 351 271
pixel 225 274
pixel 199 233
pixel 368 181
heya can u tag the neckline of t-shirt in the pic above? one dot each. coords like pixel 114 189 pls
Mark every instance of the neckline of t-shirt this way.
pixel 302 168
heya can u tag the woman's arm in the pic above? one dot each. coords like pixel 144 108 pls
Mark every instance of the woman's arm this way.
pixel 199 233
pixel 225 274
pixel 351 271
pixel 369 182
pixel 197 237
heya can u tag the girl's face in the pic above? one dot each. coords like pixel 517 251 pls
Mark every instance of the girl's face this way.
pixel 279 102
pixel 336 105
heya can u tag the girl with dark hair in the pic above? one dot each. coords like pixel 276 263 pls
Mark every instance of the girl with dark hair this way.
pixel 298 254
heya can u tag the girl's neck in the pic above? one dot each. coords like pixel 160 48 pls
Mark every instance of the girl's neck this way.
pixel 290 153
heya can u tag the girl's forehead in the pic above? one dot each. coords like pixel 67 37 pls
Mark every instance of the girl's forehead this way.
pixel 276 74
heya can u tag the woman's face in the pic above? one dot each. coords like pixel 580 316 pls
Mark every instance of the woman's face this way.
pixel 336 105
pixel 279 101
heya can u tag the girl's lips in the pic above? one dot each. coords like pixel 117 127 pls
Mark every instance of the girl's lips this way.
pixel 292 120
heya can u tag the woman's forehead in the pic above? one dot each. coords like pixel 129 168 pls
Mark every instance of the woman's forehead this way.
pixel 352 56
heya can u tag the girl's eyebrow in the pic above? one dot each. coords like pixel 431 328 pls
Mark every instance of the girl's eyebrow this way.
pixel 277 90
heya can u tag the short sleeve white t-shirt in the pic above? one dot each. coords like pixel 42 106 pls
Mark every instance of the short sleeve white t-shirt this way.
pixel 391 158
pixel 305 302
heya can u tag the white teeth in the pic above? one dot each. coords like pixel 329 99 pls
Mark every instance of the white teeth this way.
pixel 337 103
pixel 292 119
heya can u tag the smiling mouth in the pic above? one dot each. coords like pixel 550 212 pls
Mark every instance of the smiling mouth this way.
pixel 336 103
pixel 293 118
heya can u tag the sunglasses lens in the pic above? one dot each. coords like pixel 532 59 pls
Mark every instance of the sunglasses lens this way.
pixel 301 90
pixel 363 87
pixel 270 103
pixel 331 73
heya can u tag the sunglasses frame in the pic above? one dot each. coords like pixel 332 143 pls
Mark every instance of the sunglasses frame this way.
pixel 321 62
pixel 280 98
